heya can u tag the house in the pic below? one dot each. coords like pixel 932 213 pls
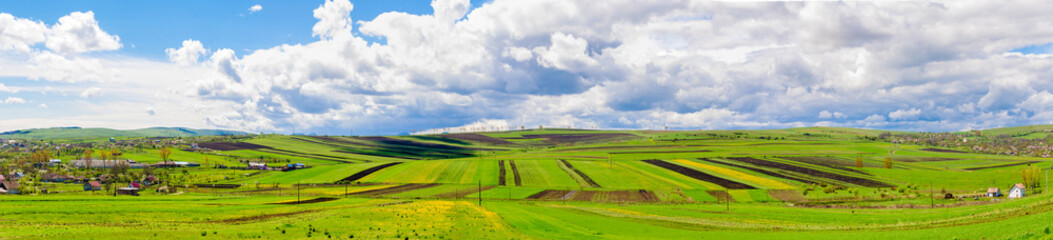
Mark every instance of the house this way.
pixel 257 166
pixel 150 180
pixel 54 162
pixel 994 192
pixel 9 187
pixel 104 178
pixel 1017 191
pixel 135 185
pixel 92 186
pixel 128 191
pixel 55 177
pixel 2 178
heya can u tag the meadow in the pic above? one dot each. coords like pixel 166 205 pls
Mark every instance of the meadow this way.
pixel 798 183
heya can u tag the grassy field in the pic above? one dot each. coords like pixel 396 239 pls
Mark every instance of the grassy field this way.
pixel 560 184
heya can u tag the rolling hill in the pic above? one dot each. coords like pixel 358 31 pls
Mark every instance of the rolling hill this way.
pixel 78 132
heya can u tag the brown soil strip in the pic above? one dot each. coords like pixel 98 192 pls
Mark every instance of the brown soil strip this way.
pixel 388 150
pixel 927 159
pixel 941 150
pixel 787 195
pixel 501 172
pixel 364 173
pixel 1001 166
pixel 632 196
pixel 395 189
pixel 461 194
pixel 227 146
pixel 584 196
pixel 316 200
pixel 761 171
pixel 721 196
pixel 811 172
pixel 698 175
pixel 515 173
pixel 548 195
pixel 660 152
pixel 478 138
pixel 834 163
pixel 263 217
pixel 581 174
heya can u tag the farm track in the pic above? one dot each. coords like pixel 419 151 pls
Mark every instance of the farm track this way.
pixel 515 173
pixel 396 189
pixel 364 173
pixel 584 177
pixel 786 195
pixel 548 195
pixel 243 220
pixel 461 194
pixel 811 172
pixel 941 150
pixel 1001 166
pixel 928 159
pixel 308 155
pixel 761 171
pixel 316 200
pixel 705 177
pixel 501 172
pixel 721 195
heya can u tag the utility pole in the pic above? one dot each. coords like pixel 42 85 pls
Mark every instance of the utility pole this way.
pixel 932 200
pixel 345 189
pixel 297 192
pixel 480 192
pixel 727 200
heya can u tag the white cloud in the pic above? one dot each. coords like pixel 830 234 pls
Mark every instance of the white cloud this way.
pixel 447 11
pixel 188 54
pixel 5 88
pixel 43 105
pixel 14 100
pixel 333 18
pixel 19 33
pixel 150 111
pixel 54 67
pixel 567 53
pixel 828 115
pixel 255 8
pixel 901 114
pixel 91 92
pixel 79 32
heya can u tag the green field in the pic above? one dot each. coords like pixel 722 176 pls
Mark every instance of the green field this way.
pixel 547 184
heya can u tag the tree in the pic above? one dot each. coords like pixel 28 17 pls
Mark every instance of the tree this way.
pixel 104 155
pixel 888 162
pixel 1030 175
pixel 115 154
pixel 165 152
pixel 859 162
pixel 88 153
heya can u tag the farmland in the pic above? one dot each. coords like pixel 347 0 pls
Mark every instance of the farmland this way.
pixel 541 184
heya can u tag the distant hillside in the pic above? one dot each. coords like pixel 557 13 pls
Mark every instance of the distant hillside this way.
pixel 77 132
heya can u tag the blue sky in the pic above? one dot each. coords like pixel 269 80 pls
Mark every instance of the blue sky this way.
pixel 391 67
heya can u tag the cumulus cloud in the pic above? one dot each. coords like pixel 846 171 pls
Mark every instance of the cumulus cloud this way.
pixel 42 105
pixel 91 92
pixel 683 64
pixel 19 33
pixel 333 18
pixel 255 8
pixel 901 114
pixel 79 32
pixel 188 54
pixel 14 100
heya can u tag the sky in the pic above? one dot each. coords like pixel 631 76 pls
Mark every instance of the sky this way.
pixel 342 67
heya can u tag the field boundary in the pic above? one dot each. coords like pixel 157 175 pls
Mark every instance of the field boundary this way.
pixel 364 173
